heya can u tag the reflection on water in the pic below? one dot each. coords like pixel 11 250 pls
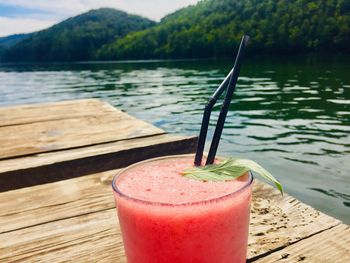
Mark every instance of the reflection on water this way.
pixel 292 116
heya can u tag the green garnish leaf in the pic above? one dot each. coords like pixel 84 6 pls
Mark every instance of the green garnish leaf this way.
pixel 229 169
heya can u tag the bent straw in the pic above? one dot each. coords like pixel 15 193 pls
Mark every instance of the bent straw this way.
pixel 206 117
pixel 227 100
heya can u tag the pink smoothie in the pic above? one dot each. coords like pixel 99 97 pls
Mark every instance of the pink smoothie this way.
pixel 166 217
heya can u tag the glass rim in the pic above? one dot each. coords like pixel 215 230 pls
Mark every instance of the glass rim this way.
pixel 153 203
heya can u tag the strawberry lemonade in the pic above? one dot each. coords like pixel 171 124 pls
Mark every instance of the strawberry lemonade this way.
pixel 166 217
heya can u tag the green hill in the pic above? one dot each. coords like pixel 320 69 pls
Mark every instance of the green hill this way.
pixel 76 38
pixel 12 40
pixel 9 41
pixel 213 27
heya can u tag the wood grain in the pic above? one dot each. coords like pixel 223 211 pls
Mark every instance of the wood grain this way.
pixel 92 237
pixel 50 167
pixel 30 113
pixel 39 137
pixel 45 143
pixel 64 217
pixel 51 202
pixel 49 158
pixel 332 245
pixel 277 222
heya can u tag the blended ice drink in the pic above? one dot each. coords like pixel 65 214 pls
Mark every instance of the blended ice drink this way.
pixel 166 217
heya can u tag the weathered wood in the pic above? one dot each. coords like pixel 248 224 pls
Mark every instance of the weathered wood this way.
pixel 42 159
pixel 52 202
pixel 30 113
pixel 332 245
pixel 277 222
pixel 92 237
pixel 66 217
pixel 44 143
pixel 20 140
pixel 50 167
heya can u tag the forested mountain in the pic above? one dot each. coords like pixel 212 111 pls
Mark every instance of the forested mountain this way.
pixel 12 40
pixel 76 38
pixel 212 28
pixel 6 42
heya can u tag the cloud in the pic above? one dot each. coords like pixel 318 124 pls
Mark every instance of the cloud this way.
pixel 41 14
pixel 65 7
pixel 154 9
pixel 9 26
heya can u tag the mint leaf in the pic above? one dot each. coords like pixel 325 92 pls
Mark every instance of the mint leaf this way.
pixel 229 169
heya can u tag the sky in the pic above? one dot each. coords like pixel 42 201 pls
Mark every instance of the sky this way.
pixel 25 16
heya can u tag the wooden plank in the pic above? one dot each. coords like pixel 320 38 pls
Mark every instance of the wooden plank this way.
pixel 88 238
pixel 27 171
pixel 277 222
pixel 30 113
pixel 332 245
pixel 34 226
pixel 52 202
pixel 20 140
pixel 42 159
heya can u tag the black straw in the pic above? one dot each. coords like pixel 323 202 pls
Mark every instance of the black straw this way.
pixel 230 82
pixel 226 103
pixel 206 117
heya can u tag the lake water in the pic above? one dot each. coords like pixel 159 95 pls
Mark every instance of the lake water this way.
pixel 292 115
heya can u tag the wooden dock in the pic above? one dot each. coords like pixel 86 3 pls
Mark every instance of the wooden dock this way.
pixel 50 142
pixel 44 218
